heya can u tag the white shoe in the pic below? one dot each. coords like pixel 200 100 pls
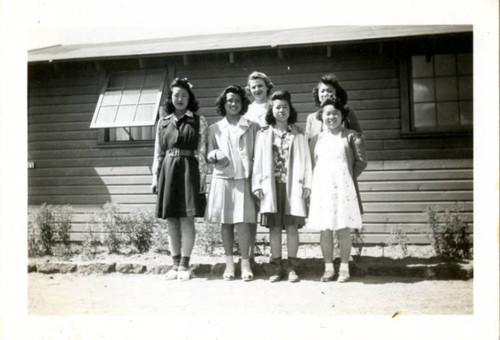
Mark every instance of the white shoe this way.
pixel 343 276
pixel 171 274
pixel 183 275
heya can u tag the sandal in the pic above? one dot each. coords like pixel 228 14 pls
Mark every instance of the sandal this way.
pixel 246 275
pixel 343 276
pixel 228 276
pixel 171 274
pixel 327 276
pixel 183 274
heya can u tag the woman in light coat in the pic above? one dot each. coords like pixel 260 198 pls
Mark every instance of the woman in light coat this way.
pixel 282 180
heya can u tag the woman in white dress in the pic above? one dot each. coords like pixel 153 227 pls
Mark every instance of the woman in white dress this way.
pixel 339 157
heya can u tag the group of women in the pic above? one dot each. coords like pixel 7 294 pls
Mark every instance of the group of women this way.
pixel 266 170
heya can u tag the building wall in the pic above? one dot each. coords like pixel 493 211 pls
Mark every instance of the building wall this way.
pixel 404 175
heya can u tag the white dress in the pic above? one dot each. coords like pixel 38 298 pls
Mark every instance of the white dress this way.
pixel 334 203
pixel 257 113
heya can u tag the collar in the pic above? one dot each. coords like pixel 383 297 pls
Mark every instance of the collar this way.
pixel 187 113
pixel 243 122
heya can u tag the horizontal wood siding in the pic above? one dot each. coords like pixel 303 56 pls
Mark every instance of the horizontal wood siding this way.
pixel 404 176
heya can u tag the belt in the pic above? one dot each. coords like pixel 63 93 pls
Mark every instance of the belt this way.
pixel 180 152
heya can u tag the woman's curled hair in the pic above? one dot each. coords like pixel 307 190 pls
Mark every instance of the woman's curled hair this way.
pixel 281 95
pixel 221 100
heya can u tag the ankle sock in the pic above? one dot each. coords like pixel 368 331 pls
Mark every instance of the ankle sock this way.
pixel 329 267
pixel 176 259
pixel 184 264
pixel 344 267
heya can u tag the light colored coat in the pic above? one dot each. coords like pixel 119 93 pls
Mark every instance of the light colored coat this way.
pixel 218 144
pixel 299 172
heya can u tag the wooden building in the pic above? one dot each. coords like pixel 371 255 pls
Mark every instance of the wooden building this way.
pixel 410 87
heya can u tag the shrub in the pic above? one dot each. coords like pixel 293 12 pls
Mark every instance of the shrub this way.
pixel 111 223
pixel 90 244
pixel 62 224
pixel 35 244
pixel 447 232
pixel 208 238
pixel 138 228
pixel 44 227
pixel 398 237
pixel 160 239
pixel 357 242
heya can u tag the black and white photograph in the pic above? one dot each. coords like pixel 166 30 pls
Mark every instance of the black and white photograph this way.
pixel 304 172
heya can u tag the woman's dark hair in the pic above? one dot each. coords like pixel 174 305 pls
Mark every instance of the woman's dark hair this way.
pixel 184 83
pixel 221 100
pixel 330 79
pixel 281 95
pixel 336 104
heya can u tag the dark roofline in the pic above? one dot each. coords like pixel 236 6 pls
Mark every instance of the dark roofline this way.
pixel 238 41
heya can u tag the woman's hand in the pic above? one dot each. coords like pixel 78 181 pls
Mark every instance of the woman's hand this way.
pixel 306 192
pixel 154 185
pixel 259 194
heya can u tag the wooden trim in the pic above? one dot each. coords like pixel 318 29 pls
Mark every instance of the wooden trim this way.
pixel 404 96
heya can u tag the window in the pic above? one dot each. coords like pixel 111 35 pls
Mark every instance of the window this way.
pixel 440 93
pixel 128 105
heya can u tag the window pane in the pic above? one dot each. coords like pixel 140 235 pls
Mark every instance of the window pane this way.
pixel 106 114
pixel 126 113
pixel 148 96
pixel 117 80
pixel 111 98
pixel 420 66
pixel 464 62
pixel 466 113
pixel 122 134
pixel 423 90
pixel 130 97
pixel 144 113
pixel 448 114
pixel 465 87
pixel 425 114
pixel 154 79
pixel 446 88
pixel 135 80
pixel 445 64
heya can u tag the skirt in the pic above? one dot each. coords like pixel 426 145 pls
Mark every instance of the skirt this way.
pixel 179 188
pixel 230 201
pixel 280 219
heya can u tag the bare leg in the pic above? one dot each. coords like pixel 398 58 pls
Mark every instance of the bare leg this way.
pixel 188 235
pixel 292 240
pixel 227 231
pixel 345 244
pixel 174 235
pixel 275 241
pixel 253 236
pixel 326 243
pixel 244 233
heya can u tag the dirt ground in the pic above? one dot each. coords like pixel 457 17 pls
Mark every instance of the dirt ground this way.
pixel 124 294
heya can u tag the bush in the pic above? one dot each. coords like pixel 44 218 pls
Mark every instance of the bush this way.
pixel 138 228
pixel 160 239
pixel 208 239
pixel 90 244
pixel 447 232
pixel 111 223
pixel 357 242
pixel 50 224
pixel 398 237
